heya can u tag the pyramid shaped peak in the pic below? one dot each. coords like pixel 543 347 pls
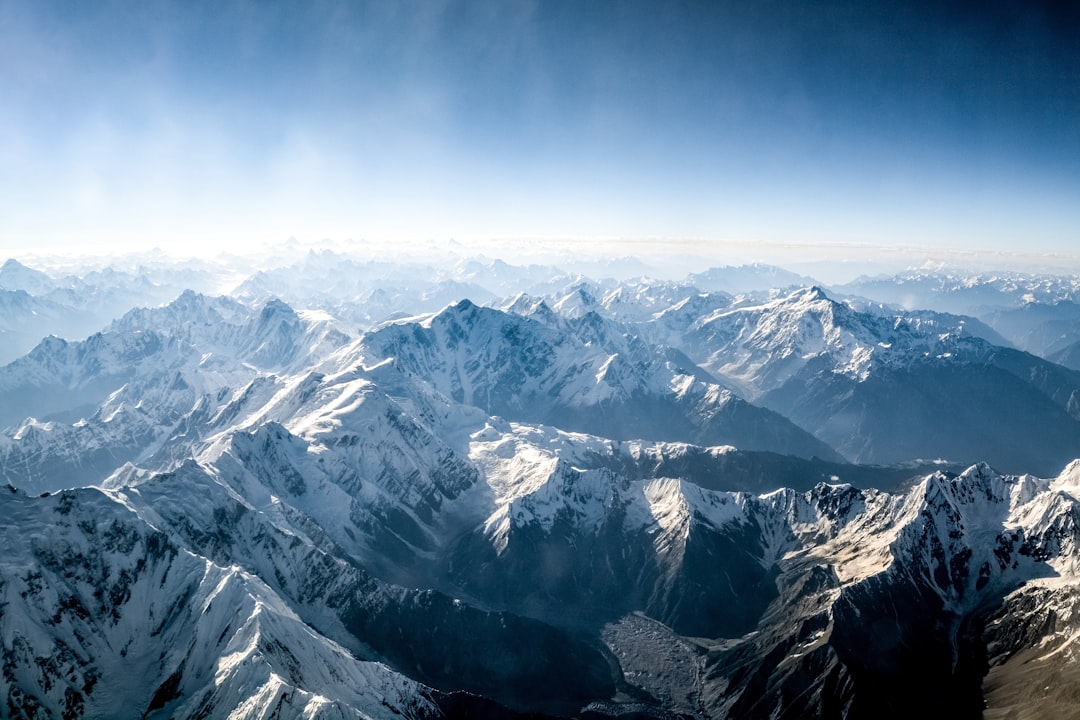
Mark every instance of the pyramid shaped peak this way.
pixel 811 294
pixel 16 276
pixel 276 306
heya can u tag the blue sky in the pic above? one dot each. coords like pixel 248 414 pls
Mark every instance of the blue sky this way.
pixel 200 125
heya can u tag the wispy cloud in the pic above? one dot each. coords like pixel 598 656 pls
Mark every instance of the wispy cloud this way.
pixel 836 122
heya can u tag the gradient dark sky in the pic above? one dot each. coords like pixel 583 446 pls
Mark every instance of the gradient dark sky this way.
pixel 927 123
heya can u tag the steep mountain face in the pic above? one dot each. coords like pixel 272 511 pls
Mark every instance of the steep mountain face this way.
pixel 194 318
pixel 275 338
pixel 367 479
pixel 67 378
pixel 1031 654
pixel 288 541
pixel 90 591
pixel 373 475
pixel 592 547
pixel 912 601
pixel 764 345
pixel 543 539
pixel 833 599
pixel 577 374
pixel 61 379
pixel 16 276
pixel 671 325
pixel 883 389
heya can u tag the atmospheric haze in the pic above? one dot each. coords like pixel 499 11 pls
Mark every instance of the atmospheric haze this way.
pixel 194 126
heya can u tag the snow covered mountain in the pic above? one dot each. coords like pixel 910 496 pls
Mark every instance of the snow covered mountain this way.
pixel 559 505
pixel 884 388
pixel 34 304
pixel 151 386
pixel 274 614
pixel 894 600
pixel 830 600
pixel 964 292
pixel 1037 313
pixel 14 276
pixel 366 292
pixel 91 591
pixel 582 373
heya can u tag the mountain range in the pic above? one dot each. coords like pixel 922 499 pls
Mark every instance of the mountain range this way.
pixel 580 498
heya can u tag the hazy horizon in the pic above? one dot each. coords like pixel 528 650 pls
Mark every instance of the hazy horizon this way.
pixel 670 259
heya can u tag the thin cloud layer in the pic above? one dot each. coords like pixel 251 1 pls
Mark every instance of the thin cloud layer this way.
pixel 198 124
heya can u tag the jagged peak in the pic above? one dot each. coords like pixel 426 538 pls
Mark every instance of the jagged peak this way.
pixel 464 311
pixel 52 343
pixel 264 435
pixel 810 294
pixel 192 299
pixel 11 265
pixel 528 305
pixel 464 305
pixel 578 300
pixel 16 276
pixel 977 484
pixel 472 316
pixel 521 300
pixel 1071 473
pixel 582 292
pixel 188 307
pixel 591 318
pixel 980 471
pixel 276 307
pixel 271 428
pixel 187 296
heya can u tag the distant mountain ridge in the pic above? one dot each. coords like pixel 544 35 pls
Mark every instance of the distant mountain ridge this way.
pixel 884 389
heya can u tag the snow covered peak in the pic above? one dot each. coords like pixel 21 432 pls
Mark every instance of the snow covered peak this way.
pixel 584 374
pixel 762 346
pixel 532 307
pixel 1069 479
pixel 16 276
pixel 280 339
pixel 576 303
pixel 192 315
pixel 277 311
pixel 109 591
pixel 964 291
pixel 810 294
